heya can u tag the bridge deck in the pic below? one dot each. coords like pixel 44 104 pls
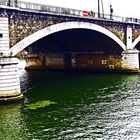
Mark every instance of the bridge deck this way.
pixel 47 9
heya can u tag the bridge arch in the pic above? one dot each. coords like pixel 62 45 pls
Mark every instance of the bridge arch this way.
pixel 60 27
pixel 136 41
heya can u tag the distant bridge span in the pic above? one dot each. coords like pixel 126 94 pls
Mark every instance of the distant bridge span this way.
pixel 60 27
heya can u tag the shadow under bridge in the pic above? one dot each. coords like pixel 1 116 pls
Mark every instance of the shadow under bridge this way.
pixel 75 48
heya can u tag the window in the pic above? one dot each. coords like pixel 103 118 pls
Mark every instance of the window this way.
pixel 90 61
pixel 1 35
pixel 111 57
pixel 111 66
pixel 104 61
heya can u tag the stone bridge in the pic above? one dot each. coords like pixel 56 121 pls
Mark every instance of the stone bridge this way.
pixel 26 27
pixel 26 23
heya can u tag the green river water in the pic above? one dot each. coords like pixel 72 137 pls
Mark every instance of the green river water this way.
pixel 87 106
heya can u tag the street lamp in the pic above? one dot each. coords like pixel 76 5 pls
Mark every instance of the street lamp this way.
pixel 16 1
pixel 111 12
pixel 98 8
pixel 8 3
pixel 102 8
pixel 12 3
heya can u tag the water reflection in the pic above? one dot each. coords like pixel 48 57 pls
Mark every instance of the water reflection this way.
pixel 89 106
pixel 25 83
pixel 114 116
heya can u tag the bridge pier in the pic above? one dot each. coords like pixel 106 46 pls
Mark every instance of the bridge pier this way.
pixel 9 80
pixel 9 75
pixel 130 56
pixel 130 60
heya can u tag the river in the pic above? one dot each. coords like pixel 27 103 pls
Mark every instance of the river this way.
pixel 88 106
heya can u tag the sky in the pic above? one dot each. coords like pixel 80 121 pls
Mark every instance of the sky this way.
pixel 124 8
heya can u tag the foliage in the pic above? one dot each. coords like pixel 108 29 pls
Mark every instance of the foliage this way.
pixel 39 104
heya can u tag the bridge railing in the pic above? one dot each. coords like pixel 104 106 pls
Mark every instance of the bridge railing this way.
pixel 67 11
pixel 3 3
pixel 108 16
pixel 48 8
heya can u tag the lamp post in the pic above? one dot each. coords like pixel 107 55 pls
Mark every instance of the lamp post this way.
pixel 12 3
pixel 98 8
pixel 111 12
pixel 8 3
pixel 16 1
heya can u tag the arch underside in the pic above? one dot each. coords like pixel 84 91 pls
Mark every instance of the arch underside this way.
pixel 61 27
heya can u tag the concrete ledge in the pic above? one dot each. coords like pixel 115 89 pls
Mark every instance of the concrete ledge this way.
pixel 130 59
pixel 9 80
pixel 11 99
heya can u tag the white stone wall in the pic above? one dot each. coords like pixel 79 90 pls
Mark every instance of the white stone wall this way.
pixel 130 59
pixel 129 37
pixel 4 37
pixel 9 77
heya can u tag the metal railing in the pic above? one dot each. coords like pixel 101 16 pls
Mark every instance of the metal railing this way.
pixel 67 11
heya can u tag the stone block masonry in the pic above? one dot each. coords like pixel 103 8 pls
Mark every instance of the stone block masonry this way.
pixel 9 75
